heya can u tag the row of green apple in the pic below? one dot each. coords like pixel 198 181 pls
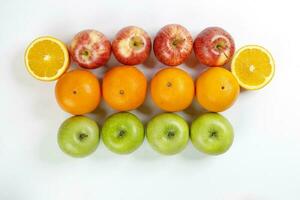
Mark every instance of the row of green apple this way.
pixel 167 133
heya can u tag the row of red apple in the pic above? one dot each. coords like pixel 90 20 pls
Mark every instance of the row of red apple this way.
pixel 172 45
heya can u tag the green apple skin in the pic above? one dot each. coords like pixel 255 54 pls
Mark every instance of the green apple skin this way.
pixel 167 133
pixel 212 133
pixel 123 133
pixel 78 136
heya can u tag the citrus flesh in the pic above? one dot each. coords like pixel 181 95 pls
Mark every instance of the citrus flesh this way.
pixel 47 58
pixel 253 67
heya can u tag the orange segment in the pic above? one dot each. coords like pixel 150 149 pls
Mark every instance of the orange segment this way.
pixel 47 58
pixel 253 67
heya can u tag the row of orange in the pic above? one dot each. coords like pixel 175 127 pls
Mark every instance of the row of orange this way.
pixel 124 88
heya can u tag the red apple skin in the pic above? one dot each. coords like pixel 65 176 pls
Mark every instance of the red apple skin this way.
pixel 173 44
pixel 214 47
pixel 131 46
pixel 90 49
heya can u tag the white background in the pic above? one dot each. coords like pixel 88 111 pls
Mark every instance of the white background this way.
pixel 263 163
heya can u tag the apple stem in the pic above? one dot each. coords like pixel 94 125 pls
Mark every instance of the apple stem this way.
pixel 220 48
pixel 121 134
pixel 213 134
pixel 136 42
pixel 82 136
pixel 171 134
pixel 85 53
pixel 225 55
pixel 177 41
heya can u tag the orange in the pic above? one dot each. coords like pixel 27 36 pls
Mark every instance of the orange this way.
pixel 124 88
pixel 172 89
pixel 78 92
pixel 47 58
pixel 253 66
pixel 217 89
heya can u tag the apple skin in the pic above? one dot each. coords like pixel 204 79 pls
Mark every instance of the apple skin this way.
pixel 214 47
pixel 90 49
pixel 123 133
pixel 173 44
pixel 212 134
pixel 167 133
pixel 131 46
pixel 78 136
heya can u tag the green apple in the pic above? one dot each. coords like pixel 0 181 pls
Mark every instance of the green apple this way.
pixel 123 133
pixel 167 133
pixel 212 133
pixel 78 136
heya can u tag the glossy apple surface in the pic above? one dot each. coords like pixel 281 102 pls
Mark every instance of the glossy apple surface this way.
pixel 167 133
pixel 78 136
pixel 173 44
pixel 131 46
pixel 122 133
pixel 90 49
pixel 212 133
pixel 214 47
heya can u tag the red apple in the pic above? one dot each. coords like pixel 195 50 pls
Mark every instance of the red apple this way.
pixel 131 46
pixel 173 44
pixel 214 47
pixel 90 49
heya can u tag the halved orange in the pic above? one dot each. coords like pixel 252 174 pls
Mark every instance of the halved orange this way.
pixel 253 66
pixel 47 58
